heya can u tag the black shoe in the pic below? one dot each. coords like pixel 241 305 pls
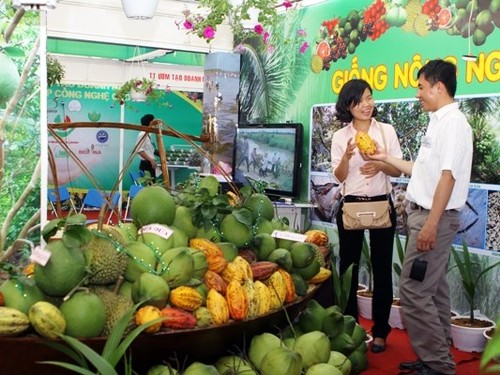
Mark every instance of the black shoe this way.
pixel 377 348
pixel 413 365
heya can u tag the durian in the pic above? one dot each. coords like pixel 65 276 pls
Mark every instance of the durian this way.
pixel 105 256
pixel 116 306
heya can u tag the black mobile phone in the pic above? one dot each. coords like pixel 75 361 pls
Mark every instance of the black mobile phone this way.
pixel 418 269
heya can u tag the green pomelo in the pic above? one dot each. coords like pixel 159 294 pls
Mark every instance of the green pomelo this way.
pixel 281 257
pixel 263 244
pixel 179 237
pixel 309 271
pixel 211 184
pixel 128 231
pixel 280 223
pixel 20 295
pixel 299 283
pixel 198 368
pixel 159 241
pixel 162 370
pixel 340 361
pixel 333 323
pixel 85 314
pixel 200 263
pixel 233 364
pixel 153 204
pixel 284 243
pixel 229 250
pixel 211 233
pixel 314 347
pixel 303 254
pixel 234 231
pixel 281 361
pixel 9 79
pixel 323 369
pixel 65 269
pixel 141 258
pixel 260 345
pixel 176 266
pixel 150 289
pixel 263 226
pixel 126 289
pixel 184 220
pixel 260 205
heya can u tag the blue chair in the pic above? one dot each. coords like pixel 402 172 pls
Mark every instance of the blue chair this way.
pixel 95 200
pixel 134 189
pixel 64 196
pixel 135 176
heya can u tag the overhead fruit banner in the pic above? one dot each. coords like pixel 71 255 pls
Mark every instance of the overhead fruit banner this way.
pixel 384 42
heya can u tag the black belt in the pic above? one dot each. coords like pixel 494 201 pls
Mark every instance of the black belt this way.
pixel 355 198
pixel 417 207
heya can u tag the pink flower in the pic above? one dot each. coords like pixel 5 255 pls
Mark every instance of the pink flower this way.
pixel 258 29
pixel 271 48
pixel 302 33
pixel 304 47
pixel 287 4
pixel 265 37
pixel 209 32
pixel 239 48
pixel 187 24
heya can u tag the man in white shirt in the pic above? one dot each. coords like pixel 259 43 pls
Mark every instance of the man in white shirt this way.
pixel 437 191
pixel 146 151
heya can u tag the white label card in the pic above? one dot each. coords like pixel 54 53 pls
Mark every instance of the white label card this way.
pixel 160 230
pixel 40 256
pixel 298 237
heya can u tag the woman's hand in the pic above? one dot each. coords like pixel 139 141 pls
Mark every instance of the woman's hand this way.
pixel 349 151
pixel 371 168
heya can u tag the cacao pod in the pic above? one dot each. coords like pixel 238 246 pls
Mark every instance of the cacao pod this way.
pixel 365 143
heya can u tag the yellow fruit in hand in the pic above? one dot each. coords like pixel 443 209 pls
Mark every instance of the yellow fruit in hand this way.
pixel 365 143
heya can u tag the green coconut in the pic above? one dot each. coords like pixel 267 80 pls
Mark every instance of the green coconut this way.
pixel 85 314
pixel 260 205
pixel 153 204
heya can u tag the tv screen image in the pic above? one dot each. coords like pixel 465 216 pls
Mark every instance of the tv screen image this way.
pixel 270 154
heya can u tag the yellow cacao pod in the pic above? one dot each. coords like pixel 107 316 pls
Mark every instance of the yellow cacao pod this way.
pixel 215 281
pixel 365 143
pixel 263 298
pixel 234 271
pixel 317 237
pixel 215 257
pixel 217 305
pixel 146 314
pixel 12 321
pixel 186 298
pixel 245 266
pixel 237 302
pixel 253 302
pixel 277 289
pixel 47 319
pixel 289 285
pixel 322 275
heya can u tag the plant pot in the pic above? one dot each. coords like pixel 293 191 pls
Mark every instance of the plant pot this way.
pixel 488 333
pixel 469 338
pixel 396 317
pixel 137 96
pixel 140 10
pixel 365 304
pixel 369 339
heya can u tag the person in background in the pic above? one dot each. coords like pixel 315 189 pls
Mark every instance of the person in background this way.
pixel 245 153
pixel 436 193
pixel 365 180
pixel 147 151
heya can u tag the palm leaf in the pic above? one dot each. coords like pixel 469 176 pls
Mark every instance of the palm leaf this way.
pixel 69 351
pixel 71 367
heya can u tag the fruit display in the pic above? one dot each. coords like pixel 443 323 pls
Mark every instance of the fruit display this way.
pixel 167 264
pixel 339 36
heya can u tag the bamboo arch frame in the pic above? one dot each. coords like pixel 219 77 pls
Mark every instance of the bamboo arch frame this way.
pixel 158 127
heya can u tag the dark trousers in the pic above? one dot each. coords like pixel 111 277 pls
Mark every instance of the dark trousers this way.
pixel 145 165
pixel 381 247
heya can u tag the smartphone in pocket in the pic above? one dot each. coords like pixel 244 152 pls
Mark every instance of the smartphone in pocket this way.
pixel 418 269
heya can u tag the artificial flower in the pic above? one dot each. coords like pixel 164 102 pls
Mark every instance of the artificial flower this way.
pixel 265 37
pixel 258 29
pixel 287 4
pixel 209 32
pixel 187 25
pixel 304 47
pixel 302 33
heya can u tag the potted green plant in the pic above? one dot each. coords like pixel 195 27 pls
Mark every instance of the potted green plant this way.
pixel 467 331
pixel 138 89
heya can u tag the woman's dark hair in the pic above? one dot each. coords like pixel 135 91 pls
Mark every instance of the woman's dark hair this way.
pixel 146 119
pixel 440 71
pixel 351 94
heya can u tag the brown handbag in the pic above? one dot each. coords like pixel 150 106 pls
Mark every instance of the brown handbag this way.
pixel 369 214
pixel 366 215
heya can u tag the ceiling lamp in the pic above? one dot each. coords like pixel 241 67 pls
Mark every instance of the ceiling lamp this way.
pixel 34 4
pixel 140 10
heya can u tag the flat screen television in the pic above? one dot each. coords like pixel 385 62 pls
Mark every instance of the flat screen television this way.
pixel 269 155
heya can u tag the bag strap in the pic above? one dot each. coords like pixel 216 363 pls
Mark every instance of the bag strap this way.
pixel 385 147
